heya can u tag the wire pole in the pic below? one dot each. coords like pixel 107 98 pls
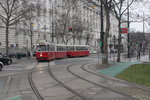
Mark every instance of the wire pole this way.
pixel 52 21
pixel 143 37
pixel 102 29
pixel 128 39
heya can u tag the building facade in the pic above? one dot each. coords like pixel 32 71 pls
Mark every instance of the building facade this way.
pixel 57 21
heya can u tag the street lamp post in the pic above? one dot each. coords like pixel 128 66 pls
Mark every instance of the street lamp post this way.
pixel 128 35
pixel 102 28
pixel 45 32
pixel 52 19
pixel 143 37
pixel 38 31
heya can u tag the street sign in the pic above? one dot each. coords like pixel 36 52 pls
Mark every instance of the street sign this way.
pixel 124 30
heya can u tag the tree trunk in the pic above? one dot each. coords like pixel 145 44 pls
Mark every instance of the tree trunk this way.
pixel 7 40
pixel 79 41
pixel 119 42
pixel 87 39
pixel 74 40
pixel 57 40
pixel 31 41
pixel 105 58
pixel 63 39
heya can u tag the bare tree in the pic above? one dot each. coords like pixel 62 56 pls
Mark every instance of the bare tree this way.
pixel 77 25
pixel 63 20
pixel 107 4
pixel 29 18
pixel 119 11
pixel 11 12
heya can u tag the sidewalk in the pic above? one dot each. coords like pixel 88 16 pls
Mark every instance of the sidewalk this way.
pixel 120 66
pixel 15 60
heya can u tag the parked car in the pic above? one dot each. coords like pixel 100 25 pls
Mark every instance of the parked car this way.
pixel 5 60
pixel 1 66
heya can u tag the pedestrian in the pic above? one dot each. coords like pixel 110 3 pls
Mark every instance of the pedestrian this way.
pixel 138 53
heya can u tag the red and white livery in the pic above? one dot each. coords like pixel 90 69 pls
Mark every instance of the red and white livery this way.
pixel 77 50
pixel 48 51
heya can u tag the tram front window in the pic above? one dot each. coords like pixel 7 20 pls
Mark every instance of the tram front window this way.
pixel 41 48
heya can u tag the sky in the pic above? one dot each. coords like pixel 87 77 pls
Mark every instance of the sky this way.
pixel 138 11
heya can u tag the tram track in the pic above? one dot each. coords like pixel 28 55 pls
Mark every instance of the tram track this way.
pixel 76 93
pixel 35 90
pixel 133 87
pixel 65 86
pixel 117 80
pixel 99 85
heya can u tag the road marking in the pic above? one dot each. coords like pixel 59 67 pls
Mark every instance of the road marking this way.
pixel 7 84
pixel 14 98
pixel 30 66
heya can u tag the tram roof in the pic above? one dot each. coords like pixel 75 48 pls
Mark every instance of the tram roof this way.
pixel 43 42
pixel 79 45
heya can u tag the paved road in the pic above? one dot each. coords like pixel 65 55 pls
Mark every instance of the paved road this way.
pixel 14 83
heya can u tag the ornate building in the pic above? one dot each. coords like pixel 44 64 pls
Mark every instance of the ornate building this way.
pixel 57 21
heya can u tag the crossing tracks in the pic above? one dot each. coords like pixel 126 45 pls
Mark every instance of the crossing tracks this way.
pixel 79 82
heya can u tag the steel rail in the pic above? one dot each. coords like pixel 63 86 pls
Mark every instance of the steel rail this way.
pixel 129 83
pixel 128 96
pixel 65 86
pixel 35 90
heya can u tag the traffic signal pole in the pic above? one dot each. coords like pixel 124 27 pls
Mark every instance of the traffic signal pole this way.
pixel 128 35
pixel 102 29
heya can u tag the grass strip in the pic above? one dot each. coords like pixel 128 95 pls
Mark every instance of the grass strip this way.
pixel 138 73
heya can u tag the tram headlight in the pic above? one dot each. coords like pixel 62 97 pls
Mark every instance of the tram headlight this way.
pixel 40 55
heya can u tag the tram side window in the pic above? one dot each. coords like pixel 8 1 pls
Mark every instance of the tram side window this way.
pixel 64 48
pixel 78 48
pixel 81 48
pixel 52 48
pixel 61 48
pixel 85 48
pixel 70 48
pixel 41 48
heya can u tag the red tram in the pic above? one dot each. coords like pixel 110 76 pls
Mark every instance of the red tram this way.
pixel 77 50
pixel 60 51
pixel 47 51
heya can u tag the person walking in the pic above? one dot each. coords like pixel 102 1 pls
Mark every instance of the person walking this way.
pixel 149 55
pixel 138 52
